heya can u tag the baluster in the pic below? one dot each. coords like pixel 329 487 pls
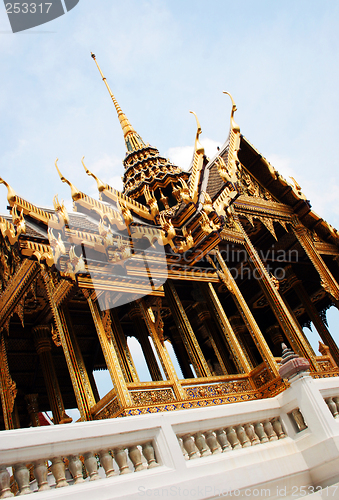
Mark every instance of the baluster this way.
pixel 121 460
pixel 107 462
pixel 21 474
pixel 135 457
pixel 148 452
pixel 249 429
pixel 242 436
pixel 332 407
pixel 278 428
pixel 232 438
pixel 181 444
pixel 200 443
pixel 58 471
pixel 270 431
pixel 222 440
pixel 91 465
pixel 212 442
pixel 40 474
pixel 260 432
pixel 336 400
pixel 75 468
pixel 189 446
pixel 5 480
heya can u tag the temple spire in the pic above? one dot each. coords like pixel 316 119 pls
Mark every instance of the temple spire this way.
pixel 133 140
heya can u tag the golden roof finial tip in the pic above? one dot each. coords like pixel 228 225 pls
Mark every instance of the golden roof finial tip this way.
pixel 11 194
pixel 83 164
pixel 92 55
pixel 233 103
pixel 198 123
pixel 234 126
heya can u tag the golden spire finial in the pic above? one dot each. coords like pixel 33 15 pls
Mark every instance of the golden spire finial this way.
pixel 199 148
pixel 132 139
pixel 11 195
pixel 100 184
pixel 234 126
pixel 74 191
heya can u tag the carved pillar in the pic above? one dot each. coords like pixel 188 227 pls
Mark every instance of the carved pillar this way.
pixel 75 363
pixel 312 312
pixel 218 345
pixel 180 352
pixel 326 278
pixel 288 324
pixel 165 360
pixel 142 335
pixel 110 355
pixel 120 344
pixel 43 346
pixel 185 329
pixel 33 409
pixel 274 332
pixel 238 355
pixel 240 330
pixel 8 389
pixel 247 316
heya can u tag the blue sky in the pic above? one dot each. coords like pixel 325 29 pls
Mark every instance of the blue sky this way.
pixel 163 58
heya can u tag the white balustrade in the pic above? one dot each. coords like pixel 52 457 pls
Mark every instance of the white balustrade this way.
pixel 190 448
pixel 204 443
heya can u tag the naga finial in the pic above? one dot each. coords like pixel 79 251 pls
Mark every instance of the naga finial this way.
pixel 234 126
pixel 100 184
pixel 74 191
pixel 11 195
pixel 198 146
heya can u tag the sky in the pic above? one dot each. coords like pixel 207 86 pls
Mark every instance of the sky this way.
pixel 163 58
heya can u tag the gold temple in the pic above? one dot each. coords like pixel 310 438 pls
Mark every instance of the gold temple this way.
pixel 220 265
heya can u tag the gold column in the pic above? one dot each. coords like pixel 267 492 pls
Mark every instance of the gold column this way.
pixel 288 324
pixel 248 317
pixel 180 352
pixel 164 357
pixel 75 364
pixel 110 354
pixel 205 318
pixel 120 344
pixel 240 329
pixel 142 335
pixel 43 346
pixel 238 355
pixel 33 410
pixel 326 278
pixel 312 312
pixel 183 325
pixel 8 389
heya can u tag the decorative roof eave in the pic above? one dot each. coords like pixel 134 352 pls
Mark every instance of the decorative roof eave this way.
pixel 25 207
pixel 288 193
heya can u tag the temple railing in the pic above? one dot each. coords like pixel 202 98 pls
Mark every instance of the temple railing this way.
pixel 257 443
pixel 155 396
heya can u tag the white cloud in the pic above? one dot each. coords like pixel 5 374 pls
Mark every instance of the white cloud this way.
pixel 182 155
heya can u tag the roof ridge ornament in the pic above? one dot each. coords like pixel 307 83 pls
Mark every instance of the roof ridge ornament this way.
pixel 234 126
pixel 100 184
pixel 133 140
pixel 74 191
pixel 198 147
pixel 11 195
